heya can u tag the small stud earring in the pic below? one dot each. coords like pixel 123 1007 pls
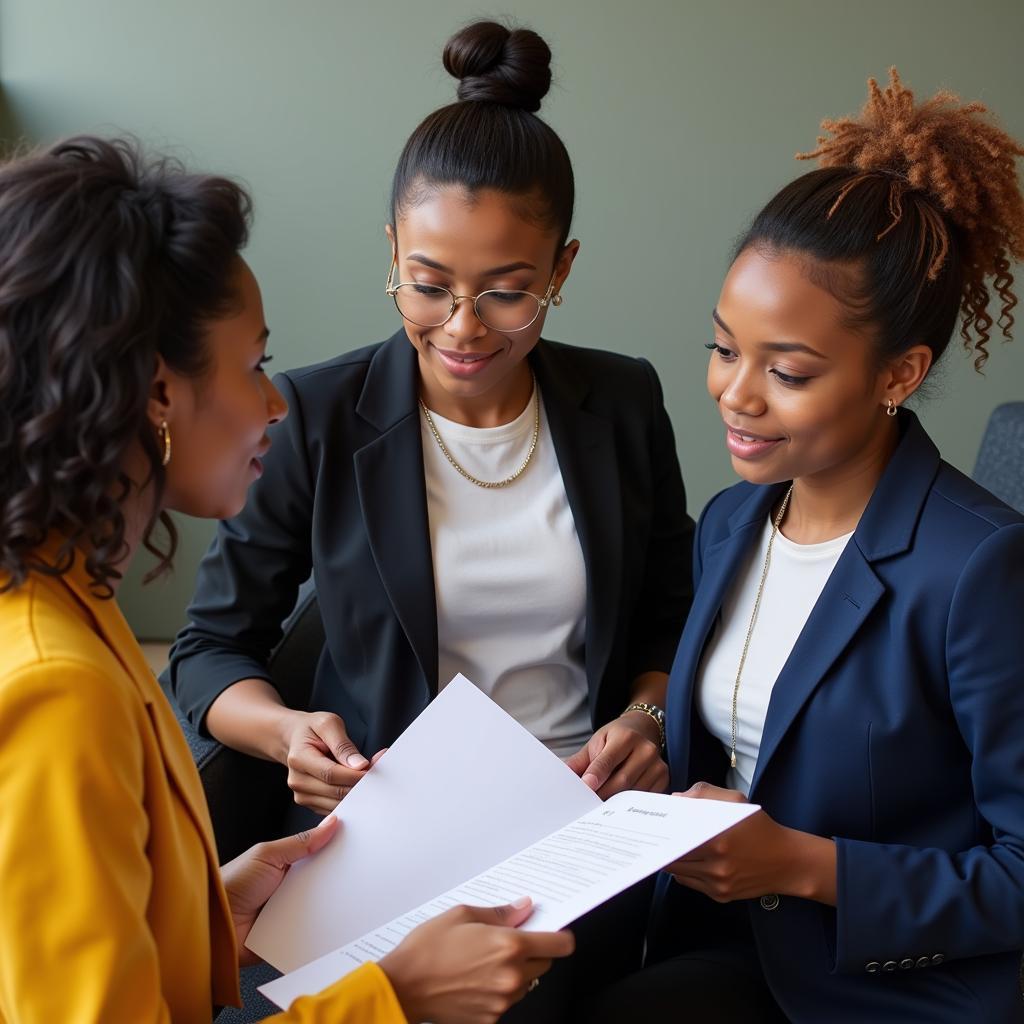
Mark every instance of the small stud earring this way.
pixel 164 433
pixel 890 408
pixel 556 300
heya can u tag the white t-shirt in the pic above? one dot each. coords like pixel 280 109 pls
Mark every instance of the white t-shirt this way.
pixel 509 576
pixel 796 578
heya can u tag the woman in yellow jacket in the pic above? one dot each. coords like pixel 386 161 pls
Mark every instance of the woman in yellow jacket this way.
pixel 132 342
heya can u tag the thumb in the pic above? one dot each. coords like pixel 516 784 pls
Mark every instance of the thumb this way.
pixel 584 757
pixel 600 764
pixel 578 762
pixel 705 791
pixel 343 750
pixel 284 852
pixel 509 915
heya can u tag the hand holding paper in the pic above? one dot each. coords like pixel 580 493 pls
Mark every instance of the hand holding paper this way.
pixel 492 836
pixel 253 877
pixel 621 756
pixel 438 808
pixel 470 959
pixel 756 858
pixel 323 762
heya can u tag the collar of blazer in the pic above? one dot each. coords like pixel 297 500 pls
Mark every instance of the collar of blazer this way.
pixel 112 628
pixel 398 531
pixel 885 529
pixel 391 389
pixel 887 526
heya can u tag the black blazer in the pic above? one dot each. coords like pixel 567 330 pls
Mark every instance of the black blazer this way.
pixel 343 493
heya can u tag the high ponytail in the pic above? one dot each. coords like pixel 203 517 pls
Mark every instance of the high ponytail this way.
pixel 913 219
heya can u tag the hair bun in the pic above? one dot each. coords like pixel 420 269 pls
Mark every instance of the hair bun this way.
pixel 499 65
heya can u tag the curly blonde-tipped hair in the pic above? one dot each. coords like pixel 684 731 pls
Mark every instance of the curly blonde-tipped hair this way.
pixel 945 155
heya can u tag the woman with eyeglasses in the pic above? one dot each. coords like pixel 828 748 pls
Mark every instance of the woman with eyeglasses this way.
pixel 132 347
pixel 853 662
pixel 468 496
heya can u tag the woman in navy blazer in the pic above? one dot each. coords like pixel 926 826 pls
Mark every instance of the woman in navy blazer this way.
pixel 883 879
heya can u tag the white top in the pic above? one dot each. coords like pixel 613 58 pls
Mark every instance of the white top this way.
pixel 796 577
pixel 509 576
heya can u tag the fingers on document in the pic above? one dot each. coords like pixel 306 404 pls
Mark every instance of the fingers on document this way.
pixel 331 730
pixel 319 782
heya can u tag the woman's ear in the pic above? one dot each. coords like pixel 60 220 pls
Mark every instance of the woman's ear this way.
pixel 389 230
pixel 159 408
pixel 564 262
pixel 905 374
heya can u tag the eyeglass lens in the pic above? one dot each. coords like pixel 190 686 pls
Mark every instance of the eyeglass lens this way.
pixel 431 306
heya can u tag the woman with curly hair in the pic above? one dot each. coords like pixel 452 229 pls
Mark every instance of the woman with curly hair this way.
pixel 132 347
pixel 852 661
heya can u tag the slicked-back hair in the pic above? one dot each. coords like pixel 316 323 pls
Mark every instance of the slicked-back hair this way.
pixel 492 139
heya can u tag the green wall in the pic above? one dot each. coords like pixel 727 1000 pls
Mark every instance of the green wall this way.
pixel 681 117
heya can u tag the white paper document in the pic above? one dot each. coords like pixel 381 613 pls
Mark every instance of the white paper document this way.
pixel 567 873
pixel 463 787
pixel 465 807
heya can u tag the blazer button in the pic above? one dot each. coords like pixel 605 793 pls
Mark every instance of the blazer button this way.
pixel 770 902
pixel 873 968
pixel 889 965
pixel 905 965
pixel 937 959
pixel 924 961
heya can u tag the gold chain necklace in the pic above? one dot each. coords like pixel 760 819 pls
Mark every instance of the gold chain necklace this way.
pixel 469 476
pixel 753 618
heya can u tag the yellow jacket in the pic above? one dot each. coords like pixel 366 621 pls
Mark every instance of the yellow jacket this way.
pixel 111 904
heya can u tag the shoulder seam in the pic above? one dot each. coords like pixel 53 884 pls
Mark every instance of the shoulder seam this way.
pixel 89 667
pixel 973 512
pixel 301 372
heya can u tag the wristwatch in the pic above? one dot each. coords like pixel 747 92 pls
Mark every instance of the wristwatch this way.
pixel 653 711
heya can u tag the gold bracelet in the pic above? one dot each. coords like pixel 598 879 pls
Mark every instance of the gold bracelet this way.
pixel 654 712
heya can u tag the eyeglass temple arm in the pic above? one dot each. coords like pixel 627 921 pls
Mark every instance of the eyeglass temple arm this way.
pixel 389 286
pixel 548 297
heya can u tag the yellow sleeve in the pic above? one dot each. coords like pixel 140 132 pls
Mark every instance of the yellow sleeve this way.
pixel 73 867
pixel 363 997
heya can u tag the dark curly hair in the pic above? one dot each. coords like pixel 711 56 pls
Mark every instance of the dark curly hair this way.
pixel 107 260
pixel 923 203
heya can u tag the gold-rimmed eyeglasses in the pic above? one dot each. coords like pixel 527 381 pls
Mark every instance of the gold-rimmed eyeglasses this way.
pixel 431 305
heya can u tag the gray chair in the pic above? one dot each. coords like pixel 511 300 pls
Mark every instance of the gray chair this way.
pixel 1000 468
pixel 249 798
pixel 1000 464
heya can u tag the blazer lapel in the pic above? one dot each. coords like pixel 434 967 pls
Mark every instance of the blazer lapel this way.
pixel 117 635
pixel 585 449
pixel 177 759
pixel 720 563
pixel 849 596
pixel 393 498
pixel 885 529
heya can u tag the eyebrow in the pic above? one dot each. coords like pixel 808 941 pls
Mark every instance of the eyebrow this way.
pixel 772 346
pixel 507 268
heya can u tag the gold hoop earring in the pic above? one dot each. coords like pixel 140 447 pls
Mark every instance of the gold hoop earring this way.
pixel 164 433
pixel 890 408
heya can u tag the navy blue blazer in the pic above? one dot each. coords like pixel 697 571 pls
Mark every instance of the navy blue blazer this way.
pixel 896 727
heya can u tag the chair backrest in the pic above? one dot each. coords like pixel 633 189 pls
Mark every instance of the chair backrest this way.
pixel 1000 464
pixel 248 797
